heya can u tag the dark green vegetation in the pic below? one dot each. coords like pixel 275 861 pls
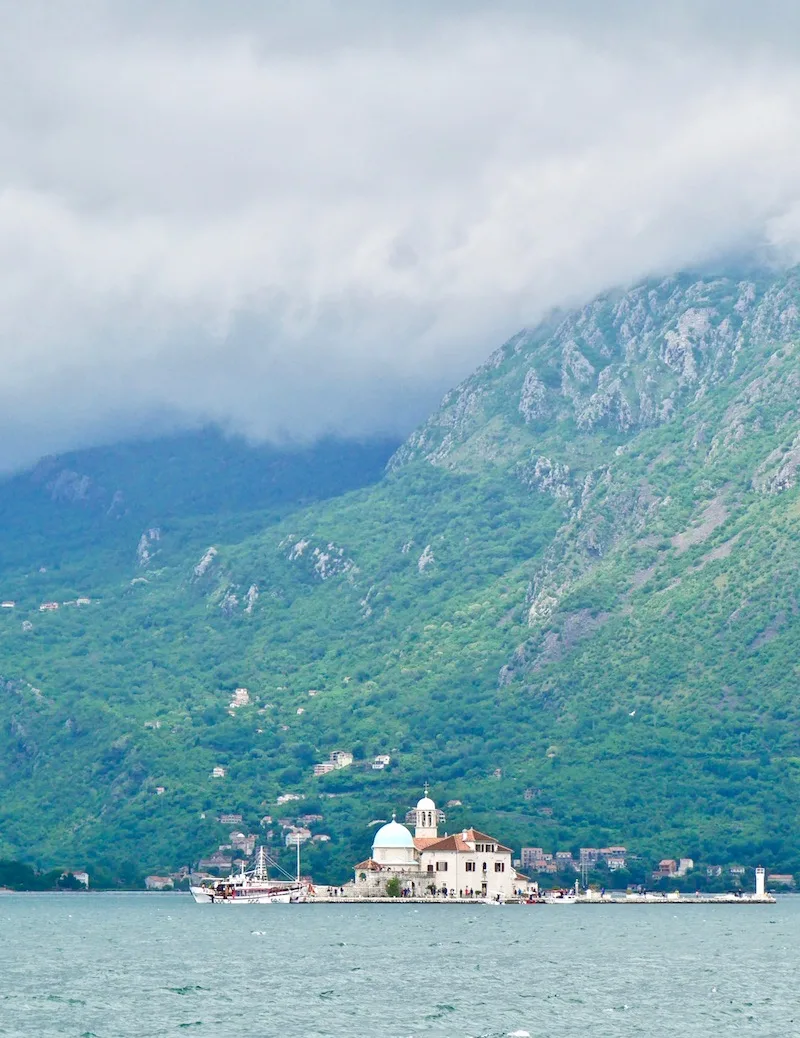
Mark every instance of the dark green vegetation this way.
pixel 571 604
pixel 393 887
pixel 18 875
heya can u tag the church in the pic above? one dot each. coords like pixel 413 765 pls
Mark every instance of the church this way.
pixel 468 863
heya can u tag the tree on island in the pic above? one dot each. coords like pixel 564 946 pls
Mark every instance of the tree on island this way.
pixel 69 882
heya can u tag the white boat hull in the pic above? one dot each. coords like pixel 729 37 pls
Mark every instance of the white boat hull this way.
pixel 279 896
pixel 253 887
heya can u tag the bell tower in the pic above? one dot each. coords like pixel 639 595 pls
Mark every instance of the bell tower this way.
pixel 426 825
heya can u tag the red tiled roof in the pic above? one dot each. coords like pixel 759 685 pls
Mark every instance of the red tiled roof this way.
pixel 456 842
pixel 370 865
pixel 475 836
pixel 449 843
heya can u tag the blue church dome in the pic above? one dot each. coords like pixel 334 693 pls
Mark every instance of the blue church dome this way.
pixel 391 835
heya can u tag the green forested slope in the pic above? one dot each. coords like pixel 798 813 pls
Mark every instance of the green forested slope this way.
pixel 571 604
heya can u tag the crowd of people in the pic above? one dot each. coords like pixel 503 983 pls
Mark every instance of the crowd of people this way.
pixel 433 891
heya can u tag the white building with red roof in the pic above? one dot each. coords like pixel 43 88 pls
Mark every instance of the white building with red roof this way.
pixel 465 864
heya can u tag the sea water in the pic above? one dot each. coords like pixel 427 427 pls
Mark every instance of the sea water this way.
pixel 125 965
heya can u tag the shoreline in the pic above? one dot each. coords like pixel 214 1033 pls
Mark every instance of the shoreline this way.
pixel 608 899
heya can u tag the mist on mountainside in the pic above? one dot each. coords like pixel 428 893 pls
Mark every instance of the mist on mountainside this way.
pixel 313 221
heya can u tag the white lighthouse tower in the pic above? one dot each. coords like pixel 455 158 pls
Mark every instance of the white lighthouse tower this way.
pixel 761 877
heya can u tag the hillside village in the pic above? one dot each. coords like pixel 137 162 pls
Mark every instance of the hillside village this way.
pixel 613 867
pixel 599 866
pixel 50 607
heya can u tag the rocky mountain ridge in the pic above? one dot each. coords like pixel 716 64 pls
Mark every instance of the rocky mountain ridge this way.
pixel 624 362
pixel 620 366
pixel 577 578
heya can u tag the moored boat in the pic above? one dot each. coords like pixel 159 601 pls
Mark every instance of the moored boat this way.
pixel 254 887
pixel 561 898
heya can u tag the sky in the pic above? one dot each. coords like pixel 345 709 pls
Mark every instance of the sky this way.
pixel 293 219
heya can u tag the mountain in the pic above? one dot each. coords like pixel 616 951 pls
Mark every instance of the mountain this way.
pixel 570 604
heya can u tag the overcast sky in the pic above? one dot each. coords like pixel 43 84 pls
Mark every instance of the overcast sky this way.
pixel 293 218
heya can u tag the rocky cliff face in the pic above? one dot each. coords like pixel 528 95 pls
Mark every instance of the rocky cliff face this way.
pixel 657 414
pixel 620 364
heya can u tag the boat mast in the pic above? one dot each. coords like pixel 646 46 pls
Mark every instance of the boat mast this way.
pixel 260 870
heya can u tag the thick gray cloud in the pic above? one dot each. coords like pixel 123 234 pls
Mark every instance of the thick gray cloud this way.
pixel 299 218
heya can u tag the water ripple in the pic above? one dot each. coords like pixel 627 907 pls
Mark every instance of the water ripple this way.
pixel 130 966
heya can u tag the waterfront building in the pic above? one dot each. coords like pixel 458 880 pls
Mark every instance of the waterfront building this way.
pixel 217 860
pixel 532 857
pixel 614 857
pixel 427 862
pixel 158 882
pixel 535 860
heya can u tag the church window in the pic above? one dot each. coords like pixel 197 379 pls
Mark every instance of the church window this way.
pixel 470 866
pixel 441 866
pixel 499 866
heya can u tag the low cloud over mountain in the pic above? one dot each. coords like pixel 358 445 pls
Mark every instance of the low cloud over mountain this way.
pixel 317 219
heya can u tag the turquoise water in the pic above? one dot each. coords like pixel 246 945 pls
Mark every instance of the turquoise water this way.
pixel 123 965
